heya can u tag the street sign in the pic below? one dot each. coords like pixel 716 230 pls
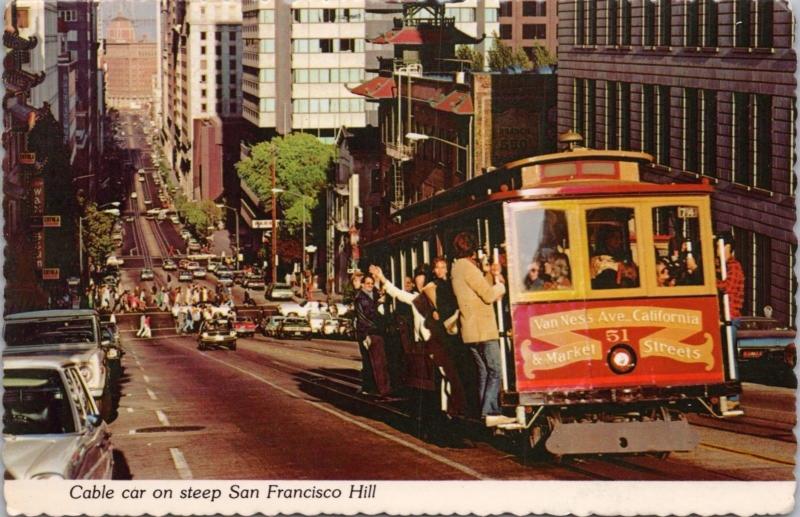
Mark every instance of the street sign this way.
pixel 51 273
pixel 51 221
pixel 262 224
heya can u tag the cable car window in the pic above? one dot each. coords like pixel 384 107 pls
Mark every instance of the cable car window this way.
pixel 543 242
pixel 613 252
pixel 676 231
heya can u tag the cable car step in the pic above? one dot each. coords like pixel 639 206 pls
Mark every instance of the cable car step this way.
pixel 621 437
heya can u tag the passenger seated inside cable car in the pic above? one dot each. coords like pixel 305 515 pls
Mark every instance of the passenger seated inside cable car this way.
pixel 549 267
pixel 612 249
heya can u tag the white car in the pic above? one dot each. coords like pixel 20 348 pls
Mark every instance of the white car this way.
pixel 301 309
pixel 199 273
pixel 113 260
pixel 51 426
pixel 72 333
pixel 174 218
pixel 317 320
pixel 134 195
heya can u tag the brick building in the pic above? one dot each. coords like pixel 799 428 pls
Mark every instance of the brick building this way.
pixel 131 65
pixel 708 89
pixel 525 24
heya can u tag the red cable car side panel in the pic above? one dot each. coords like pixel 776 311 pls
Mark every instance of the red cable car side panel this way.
pixel 579 345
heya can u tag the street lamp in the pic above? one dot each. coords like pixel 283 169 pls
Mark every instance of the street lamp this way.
pixel 303 198
pixel 236 218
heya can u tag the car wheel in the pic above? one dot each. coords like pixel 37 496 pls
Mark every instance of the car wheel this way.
pixel 233 346
pixel 201 346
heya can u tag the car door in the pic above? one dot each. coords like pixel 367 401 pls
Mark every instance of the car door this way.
pixel 95 456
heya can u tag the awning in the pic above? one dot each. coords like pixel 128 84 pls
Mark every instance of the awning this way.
pixel 376 88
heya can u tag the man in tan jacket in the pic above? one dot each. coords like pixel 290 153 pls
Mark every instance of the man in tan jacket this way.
pixel 475 294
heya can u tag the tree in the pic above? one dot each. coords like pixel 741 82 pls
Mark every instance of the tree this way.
pixel 97 234
pixel 475 57
pixel 302 165
pixel 543 57
pixel 502 57
pixel 198 215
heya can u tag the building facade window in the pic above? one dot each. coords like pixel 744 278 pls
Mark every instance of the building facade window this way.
pixel 665 25
pixel 267 46
pixel 692 132
pixel 507 8
pixel 580 22
pixel 266 16
pixel 612 115
pixel 649 119
pixel 762 133
pixel 708 163
pixel 461 14
pixel 764 23
pixel 266 75
pixel 742 23
pixel 742 151
pixel 267 105
pixel 375 181
pixel 490 15
pixel 591 113
pixel 612 15
pixel 579 104
pixel 692 26
pixel 534 31
pixel 792 150
pixel 534 8
pixel 625 115
pixel 650 27
pixel 664 119
pixel 505 31
pixel 710 33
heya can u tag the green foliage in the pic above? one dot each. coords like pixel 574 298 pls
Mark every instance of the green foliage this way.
pixel 97 234
pixel 475 57
pixel 302 165
pixel 502 57
pixel 198 215
pixel 543 57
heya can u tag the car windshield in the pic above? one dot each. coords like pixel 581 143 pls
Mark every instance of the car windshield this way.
pixel 48 332
pixel 35 402
pixel 294 321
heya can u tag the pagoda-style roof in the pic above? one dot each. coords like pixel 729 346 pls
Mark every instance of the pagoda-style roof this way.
pixel 457 102
pixel 424 34
pixel 377 88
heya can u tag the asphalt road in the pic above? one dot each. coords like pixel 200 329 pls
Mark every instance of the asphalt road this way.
pixel 276 409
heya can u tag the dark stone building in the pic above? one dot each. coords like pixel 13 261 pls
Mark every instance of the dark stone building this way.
pixel 708 88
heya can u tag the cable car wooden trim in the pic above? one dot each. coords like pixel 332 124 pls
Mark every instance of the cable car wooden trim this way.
pixel 581 154
pixel 603 189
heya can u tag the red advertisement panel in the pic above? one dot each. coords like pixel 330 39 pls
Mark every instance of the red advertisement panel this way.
pixel 568 346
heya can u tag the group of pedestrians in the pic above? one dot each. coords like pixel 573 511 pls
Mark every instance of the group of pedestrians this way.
pixel 188 318
pixel 114 299
pixel 448 316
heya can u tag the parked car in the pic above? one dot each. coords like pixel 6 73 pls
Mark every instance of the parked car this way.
pixel 238 276
pixel 185 276
pixel 111 343
pixel 174 218
pixel 253 281
pixel 317 320
pixel 186 234
pixel 271 326
pixel 191 266
pixel 199 273
pixel 294 327
pixel 112 260
pixel 51 425
pixel 279 291
pixel 765 351
pixel 146 274
pixel 330 327
pixel 169 265
pixel 212 265
pixel 217 332
pixel 225 279
pixel 245 327
pixel 193 245
pixel 301 309
pixel 134 195
pixel 70 333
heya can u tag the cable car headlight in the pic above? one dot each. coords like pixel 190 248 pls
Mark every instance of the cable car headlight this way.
pixel 621 359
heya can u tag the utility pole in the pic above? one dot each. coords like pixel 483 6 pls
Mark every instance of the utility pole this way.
pixel 274 258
